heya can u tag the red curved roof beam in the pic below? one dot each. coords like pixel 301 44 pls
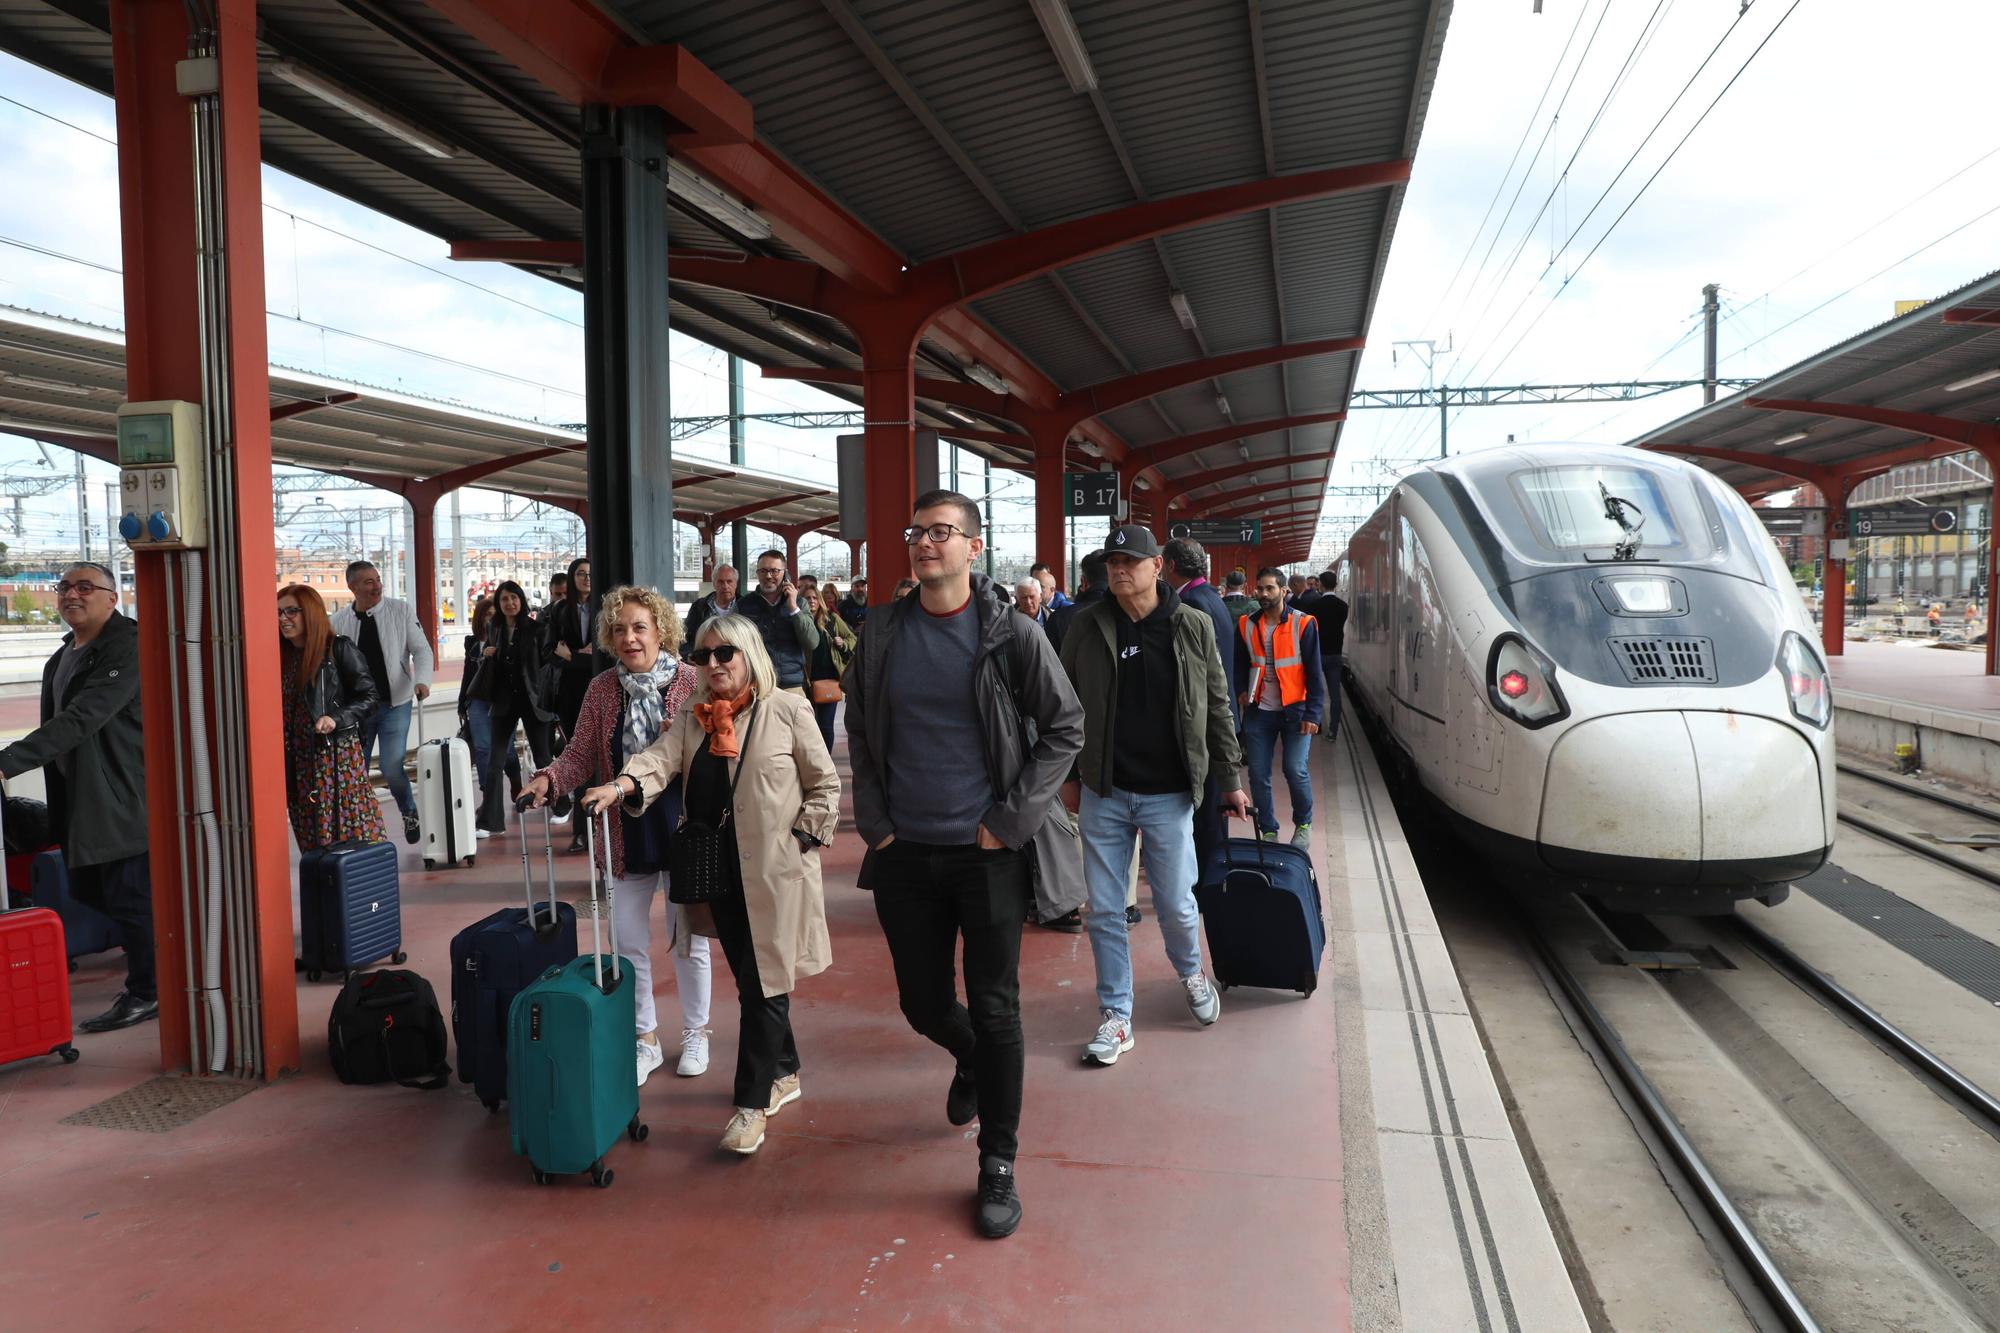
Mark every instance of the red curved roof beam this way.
pixel 1155 454
pixel 1966 314
pixel 759 506
pixel 1969 434
pixel 286 411
pixel 1180 486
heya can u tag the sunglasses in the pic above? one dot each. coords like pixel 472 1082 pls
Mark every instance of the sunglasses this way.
pixel 723 653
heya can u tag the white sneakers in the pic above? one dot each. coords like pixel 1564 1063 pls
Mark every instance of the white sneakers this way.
pixel 1203 1002
pixel 694 1052
pixel 651 1057
pixel 1113 1039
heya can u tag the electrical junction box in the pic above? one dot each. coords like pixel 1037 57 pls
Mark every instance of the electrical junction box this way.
pixel 162 486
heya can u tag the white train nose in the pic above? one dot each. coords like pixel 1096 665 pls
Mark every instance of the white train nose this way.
pixel 1696 794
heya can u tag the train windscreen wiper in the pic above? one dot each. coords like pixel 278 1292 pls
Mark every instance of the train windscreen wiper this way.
pixel 1623 512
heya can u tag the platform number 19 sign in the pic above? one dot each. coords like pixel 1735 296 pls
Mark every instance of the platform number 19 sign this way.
pixel 1091 493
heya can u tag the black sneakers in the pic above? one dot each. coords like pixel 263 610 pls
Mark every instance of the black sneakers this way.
pixel 413 829
pixel 962 1102
pixel 998 1211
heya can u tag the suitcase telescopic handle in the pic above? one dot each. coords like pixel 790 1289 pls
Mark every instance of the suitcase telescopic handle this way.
pixel 5 904
pixel 594 830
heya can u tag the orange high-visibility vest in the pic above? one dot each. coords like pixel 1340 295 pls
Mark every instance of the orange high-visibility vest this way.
pixel 1281 654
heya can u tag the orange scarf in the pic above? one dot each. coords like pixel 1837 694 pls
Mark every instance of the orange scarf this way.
pixel 718 719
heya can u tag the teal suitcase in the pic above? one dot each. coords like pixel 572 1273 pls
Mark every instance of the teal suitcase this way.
pixel 572 1075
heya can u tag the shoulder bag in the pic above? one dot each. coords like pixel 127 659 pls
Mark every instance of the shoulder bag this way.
pixel 697 870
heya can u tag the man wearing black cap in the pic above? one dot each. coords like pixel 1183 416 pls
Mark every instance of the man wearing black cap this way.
pixel 1136 658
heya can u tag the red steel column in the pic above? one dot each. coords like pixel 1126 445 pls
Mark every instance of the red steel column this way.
pixel 706 536
pixel 1992 565
pixel 853 561
pixel 1051 530
pixel 889 407
pixel 423 561
pixel 163 349
pixel 1833 581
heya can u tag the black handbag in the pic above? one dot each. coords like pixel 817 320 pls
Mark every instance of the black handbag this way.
pixel 699 873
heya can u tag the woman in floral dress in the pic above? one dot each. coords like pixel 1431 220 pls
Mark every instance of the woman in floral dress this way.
pixel 327 691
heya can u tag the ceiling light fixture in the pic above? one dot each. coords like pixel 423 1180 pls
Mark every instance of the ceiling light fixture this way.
pixel 699 192
pixel 966 417
pixel 1971 380
pixel 1243 452
pixel 1182 310
pixel 1060 28
pixel 52 386
pixel 791 330
pixel 1793 438
pixel 1142 484
pixel 363 110
pixel 1221 403
pixel 985 377
pixel 1090 447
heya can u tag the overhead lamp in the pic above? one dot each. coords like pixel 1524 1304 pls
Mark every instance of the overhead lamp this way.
pixel 52 386
pixel 1060 28
pixel 791 330
pixel 1793 438
pixel 1182 310
pixel 1091 447
pixel 985 377
pixel 1221 403
pixel 966 417
pixel 359 107
pixel 1141 483
pixel 699 192
pixel 1971 380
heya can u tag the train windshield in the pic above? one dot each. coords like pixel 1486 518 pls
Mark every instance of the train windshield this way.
pixel 1594 512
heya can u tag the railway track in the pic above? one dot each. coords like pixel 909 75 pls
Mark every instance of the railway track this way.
pixel 1871 824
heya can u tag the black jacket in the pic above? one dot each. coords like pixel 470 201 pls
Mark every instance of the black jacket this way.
pixel 1062 616
pixel 99 809
pixel 527 683
pixel 1204 598
pixel 568 622
pixel 344 689
pixel 1029 745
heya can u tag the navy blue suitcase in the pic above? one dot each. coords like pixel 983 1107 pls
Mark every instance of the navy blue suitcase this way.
pixel 1264 920
pixel 85 929
pixel 350 908
pixel 492 961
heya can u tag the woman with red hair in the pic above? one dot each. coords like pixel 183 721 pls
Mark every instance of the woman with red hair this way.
pixel 328 689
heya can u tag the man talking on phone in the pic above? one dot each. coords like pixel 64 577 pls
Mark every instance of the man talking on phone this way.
pixel 789 633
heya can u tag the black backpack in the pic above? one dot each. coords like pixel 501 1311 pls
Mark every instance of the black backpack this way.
pixel 386 1027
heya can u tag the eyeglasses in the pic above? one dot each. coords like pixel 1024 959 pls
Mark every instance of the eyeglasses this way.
pixel 82 588
pixel 290 612
pixel 724 653
pixel 939 533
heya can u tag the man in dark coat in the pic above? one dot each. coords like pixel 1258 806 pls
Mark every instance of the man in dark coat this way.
pixel 93 753
pixel 1184 565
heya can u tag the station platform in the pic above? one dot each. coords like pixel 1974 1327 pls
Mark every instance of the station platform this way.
pixel 1909 704
pixel 1332 1162
pixel 1911 671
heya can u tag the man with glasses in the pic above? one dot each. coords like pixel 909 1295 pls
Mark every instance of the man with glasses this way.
pixel 961 727
pixel 399 658
pixel 787 627
pixel 1137 658
pixel 92 751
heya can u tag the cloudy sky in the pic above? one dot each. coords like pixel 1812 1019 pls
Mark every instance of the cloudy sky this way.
pixel 1853 162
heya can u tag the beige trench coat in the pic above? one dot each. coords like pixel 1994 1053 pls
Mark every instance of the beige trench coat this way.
pixel 790 783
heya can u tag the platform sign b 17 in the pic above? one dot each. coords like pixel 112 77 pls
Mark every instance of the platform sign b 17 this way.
pixel 1903 521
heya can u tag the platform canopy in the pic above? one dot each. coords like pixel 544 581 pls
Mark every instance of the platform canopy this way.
pixel 1161 231
pixel 1923 385
pixel 61 382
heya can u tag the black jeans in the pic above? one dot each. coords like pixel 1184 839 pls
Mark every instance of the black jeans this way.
pixel 765 1051
pixel 823 714
pixel 123 891
pixel 926 897
pixel 1211 834
pixel 506 715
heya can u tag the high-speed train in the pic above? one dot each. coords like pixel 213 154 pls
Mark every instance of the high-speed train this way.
pixel 1596 662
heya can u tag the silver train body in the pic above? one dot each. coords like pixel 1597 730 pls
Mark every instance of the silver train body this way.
pixel 1597 663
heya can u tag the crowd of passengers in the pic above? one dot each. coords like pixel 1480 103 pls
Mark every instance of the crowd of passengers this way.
pixel 1008 761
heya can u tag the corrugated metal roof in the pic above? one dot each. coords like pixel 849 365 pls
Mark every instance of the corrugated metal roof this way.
pixel 1902 364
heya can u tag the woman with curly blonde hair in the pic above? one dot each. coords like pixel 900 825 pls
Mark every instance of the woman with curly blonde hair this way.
pixel 624 710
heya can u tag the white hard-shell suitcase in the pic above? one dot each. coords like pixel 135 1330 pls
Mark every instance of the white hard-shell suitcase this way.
pixel 447 800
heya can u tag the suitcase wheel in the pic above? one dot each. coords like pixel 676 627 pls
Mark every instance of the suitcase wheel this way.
pixel 70 1054
pixel 429 864
pixel 467 863
pixel 399 958
pixel 543 1178
pixel 492 1106
pixel 312 974
pixel 637 1130
pixel 600 1174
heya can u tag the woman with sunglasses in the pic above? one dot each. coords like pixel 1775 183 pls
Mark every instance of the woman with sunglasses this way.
pixel 624 711
pixel 753 767
pixel 328 689
pixel 510 684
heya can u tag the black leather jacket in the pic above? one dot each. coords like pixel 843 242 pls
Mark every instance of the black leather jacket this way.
pixel 344 689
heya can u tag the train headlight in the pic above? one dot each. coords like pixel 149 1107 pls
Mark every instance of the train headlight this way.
pixel 1522 683
pixel 1805 681
pixel 1644 597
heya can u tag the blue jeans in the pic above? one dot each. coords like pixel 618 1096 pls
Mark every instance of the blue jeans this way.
pixel 1263 729
pixel 391 725
pixel 479 721
pixel 1108 824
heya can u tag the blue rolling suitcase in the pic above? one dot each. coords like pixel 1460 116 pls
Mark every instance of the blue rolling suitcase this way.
pixel 86 929
pixel 572 1075
pixel 492 961
pixel 1265 926
pixel 350 908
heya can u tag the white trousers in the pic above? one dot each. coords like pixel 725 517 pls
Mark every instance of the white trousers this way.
pixel 632 907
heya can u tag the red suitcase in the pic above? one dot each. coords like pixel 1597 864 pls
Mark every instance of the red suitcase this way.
pixel 34 983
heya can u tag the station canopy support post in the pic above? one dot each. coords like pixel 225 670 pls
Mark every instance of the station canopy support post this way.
pixel 630 458
pixel 164 340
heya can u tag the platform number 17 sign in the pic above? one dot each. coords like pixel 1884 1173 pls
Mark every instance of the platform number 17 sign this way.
pixel 1091 493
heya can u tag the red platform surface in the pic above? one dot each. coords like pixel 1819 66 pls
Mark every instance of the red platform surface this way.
pixel 1195 1185
pixel 1933 677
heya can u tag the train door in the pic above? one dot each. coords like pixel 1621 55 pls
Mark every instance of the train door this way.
pixel 1419 643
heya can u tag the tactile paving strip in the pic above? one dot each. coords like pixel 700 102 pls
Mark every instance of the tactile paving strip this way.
pixel 163 1104
pixel 1957 954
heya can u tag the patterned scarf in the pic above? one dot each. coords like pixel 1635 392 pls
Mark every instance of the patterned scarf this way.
pixel 644 710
